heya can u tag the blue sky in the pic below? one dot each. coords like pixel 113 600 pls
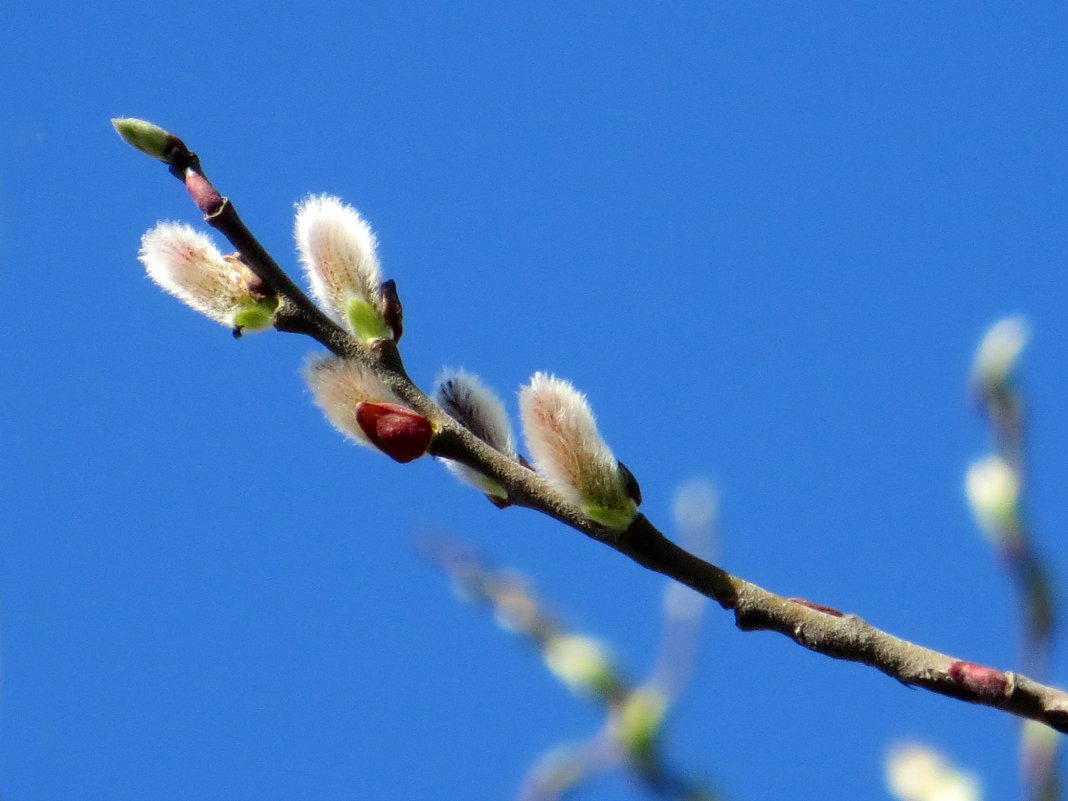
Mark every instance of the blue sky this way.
pixel 763 238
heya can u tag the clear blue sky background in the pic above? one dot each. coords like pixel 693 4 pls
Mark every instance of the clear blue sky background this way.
pixel 763 238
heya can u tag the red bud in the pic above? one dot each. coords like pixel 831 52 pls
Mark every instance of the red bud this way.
pixel 206 196
pixel 400 433
pixel 980 679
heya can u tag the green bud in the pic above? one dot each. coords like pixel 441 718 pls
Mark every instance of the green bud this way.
pixel 366 322
pixel 610 516
pixel 255 315
pixel 146 137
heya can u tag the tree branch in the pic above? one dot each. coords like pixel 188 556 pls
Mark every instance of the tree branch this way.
pixel 819 628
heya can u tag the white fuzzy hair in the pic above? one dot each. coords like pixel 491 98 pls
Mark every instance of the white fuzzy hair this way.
pixel 337 249
pixel 339 386
pixel 186 264
pixel 464 397
pixel 568 451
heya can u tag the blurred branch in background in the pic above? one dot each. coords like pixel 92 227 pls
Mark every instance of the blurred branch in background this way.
pixel 635 715
pixel 996 489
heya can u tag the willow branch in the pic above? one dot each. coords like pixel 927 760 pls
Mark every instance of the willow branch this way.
pixel 813 626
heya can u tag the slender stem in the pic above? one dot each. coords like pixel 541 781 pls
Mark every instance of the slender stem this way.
pixel 813 626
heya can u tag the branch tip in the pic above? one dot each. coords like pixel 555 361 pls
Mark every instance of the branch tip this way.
pixel 150 139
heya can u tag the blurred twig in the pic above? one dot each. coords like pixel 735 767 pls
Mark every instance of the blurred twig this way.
pixel 997 488
pixel 631 737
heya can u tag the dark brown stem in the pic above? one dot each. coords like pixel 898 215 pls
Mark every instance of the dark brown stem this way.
pixel 301 314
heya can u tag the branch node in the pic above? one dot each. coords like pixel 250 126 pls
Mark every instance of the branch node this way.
pixel 983 681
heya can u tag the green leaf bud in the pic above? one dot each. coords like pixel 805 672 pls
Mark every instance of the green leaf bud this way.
pixel 366 322
pixel 146 137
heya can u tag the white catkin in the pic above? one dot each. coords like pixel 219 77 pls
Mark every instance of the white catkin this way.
pixel 568 450
pixel 337 249
pixel 467 400
pixel 185 263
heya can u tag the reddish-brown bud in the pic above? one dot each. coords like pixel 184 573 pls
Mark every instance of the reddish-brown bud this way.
pixel 400 433
pixel 982 680
pixel 827 610
pixel 389 305
pixel 206 196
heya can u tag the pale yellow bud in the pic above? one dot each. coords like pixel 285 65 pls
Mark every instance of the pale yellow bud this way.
pixel 915 772
pixel 993 490
pixel 582 663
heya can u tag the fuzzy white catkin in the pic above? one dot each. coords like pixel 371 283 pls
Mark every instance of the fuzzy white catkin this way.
pixel 471 403
pixel 185 263
pixel 466 399
pixel 568 451
pixel 339 386
pixel 337 249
